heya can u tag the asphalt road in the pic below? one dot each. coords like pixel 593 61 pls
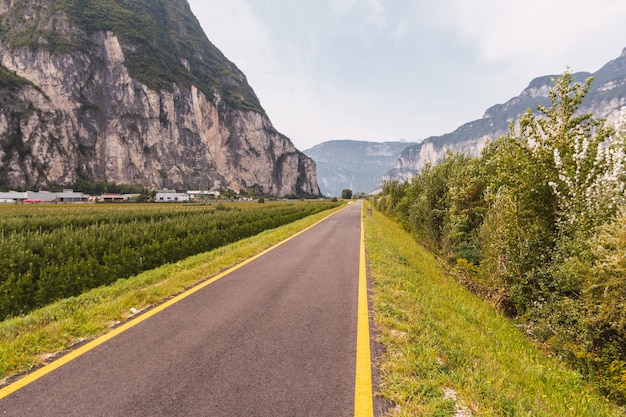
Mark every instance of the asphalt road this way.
pixel 276 337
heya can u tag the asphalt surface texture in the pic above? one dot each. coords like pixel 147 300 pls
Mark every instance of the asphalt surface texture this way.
pixel 276 337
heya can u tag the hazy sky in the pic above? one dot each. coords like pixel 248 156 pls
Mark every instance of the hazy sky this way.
pixel 382 70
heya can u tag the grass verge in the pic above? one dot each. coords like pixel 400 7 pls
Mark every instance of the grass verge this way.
pixel 449 353
pixel 32 340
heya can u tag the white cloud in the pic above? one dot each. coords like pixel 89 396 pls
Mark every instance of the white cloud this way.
pixel 377 6
pixel 399 32
pixel 342 6
pixel 234 28
pixel 545 30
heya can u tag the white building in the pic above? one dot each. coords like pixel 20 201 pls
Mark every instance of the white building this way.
pixel 70 196
pixel 67 196
pixel 201 194
pixel 171 196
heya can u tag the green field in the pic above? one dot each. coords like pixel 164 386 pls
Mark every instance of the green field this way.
pixel 50 252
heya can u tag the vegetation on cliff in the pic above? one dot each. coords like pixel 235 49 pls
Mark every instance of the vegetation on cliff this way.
pixel 10 80
pixel 162 40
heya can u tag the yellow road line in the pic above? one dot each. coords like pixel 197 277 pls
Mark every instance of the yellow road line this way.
pixel 363 402
pixel 32 377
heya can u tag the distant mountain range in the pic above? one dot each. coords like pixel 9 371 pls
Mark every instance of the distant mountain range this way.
pixel 356 165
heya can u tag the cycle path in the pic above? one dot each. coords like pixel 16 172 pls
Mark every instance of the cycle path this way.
pixel 274 337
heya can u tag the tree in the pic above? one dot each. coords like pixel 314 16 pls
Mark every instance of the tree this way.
pixel 393 192
pixel 346 194
pixel 518 233
pixel 548 189
pixel 582 157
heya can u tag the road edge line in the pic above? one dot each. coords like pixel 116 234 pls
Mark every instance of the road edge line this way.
pixel 73 354
pixel 363 397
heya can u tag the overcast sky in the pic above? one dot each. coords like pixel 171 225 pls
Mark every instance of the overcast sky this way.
pixel 387 70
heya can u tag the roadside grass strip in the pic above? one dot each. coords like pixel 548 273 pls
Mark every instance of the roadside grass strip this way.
pixel 449 353
pixel 39 338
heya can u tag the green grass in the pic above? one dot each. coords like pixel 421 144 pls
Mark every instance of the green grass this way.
pixel 32 340
pixel 447 352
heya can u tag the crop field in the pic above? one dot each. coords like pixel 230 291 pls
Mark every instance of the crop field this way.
pixel 50 252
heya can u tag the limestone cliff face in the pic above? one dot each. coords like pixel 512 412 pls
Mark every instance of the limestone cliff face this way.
pixel 415 157
pixel 78 112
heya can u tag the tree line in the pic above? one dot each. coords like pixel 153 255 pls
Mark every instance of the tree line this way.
pixel 537 224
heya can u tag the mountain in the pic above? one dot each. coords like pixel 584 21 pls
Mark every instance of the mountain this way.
pixel 132 92
pixel 355 165
pixel 605 98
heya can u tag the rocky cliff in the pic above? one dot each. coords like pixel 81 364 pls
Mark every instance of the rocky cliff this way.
pixel 132 93
pixel 355 165
pixel 604 100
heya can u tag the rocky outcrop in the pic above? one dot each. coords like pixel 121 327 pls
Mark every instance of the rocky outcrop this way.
pixel 81 113
pixel 415 157
pixel 605 99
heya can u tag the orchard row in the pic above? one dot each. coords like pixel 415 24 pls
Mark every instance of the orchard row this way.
pixel 53 252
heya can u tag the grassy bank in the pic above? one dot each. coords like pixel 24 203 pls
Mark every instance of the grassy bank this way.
pixel 449 353
pixel 34 339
